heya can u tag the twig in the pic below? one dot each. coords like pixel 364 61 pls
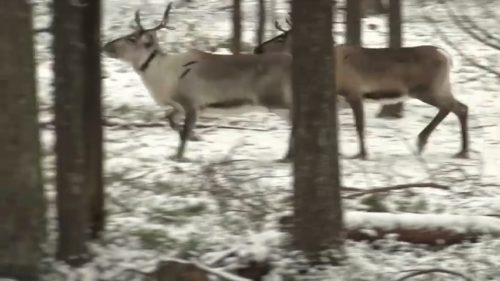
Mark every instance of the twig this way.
pixel 433 270
pixel 120 125
pixel 460 22
pixel 396 187
pixel 43 30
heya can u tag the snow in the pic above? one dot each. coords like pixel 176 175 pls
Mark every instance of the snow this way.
pixel 221 208
pixel 456 223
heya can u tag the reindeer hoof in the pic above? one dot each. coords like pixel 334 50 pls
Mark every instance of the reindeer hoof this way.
pixel 358 156
pixel 462 155
pixel 178 158
pixel 195 137
pixel 420 146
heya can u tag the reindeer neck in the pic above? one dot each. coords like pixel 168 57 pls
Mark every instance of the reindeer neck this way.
pixel 162 74
pixel 143 65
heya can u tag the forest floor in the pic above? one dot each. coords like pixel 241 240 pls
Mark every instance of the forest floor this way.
pixel 231 193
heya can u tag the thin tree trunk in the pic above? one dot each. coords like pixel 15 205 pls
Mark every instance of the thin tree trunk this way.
pixel 70 89
pixel 395 41
pixel 272 16
pixel 236 41
pixel 22 203
pixel 395 32
pixel 353 30
pixel 262 22
pixel 93 117
pixel 317 202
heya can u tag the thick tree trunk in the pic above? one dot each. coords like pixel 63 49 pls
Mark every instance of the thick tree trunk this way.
pixel 317 201
pixel 353 28
pixel 22 203
pixel 261 24
pixel 395 41
pixel 93 117
pixel 70 59
pixel 236 40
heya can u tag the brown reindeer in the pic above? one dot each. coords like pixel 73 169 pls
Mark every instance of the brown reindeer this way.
pixel 194 79
pixel 421 72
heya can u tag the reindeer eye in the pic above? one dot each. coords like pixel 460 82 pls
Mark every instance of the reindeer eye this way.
pixel 132 39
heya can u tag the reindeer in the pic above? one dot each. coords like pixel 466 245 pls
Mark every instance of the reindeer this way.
pixel 388 74
pixel 194 79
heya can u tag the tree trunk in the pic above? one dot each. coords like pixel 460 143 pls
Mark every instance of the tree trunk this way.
pixel 353 19
pixel 236 44
pixel 395 41
pixel 70 61
pixel 373 7
pixel 261 23
pixel 317 184
pixel 22 203
pixel 93 116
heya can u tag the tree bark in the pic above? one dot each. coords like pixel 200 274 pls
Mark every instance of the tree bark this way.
pixel 261 23
pixel 70 57
pixel 93 117
pixel 22 202
pixel 353 18
pixel 317 202
pixel 236 41
pixel 395 41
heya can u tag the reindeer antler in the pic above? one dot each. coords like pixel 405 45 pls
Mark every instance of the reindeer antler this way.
pixel 162 24
pixel 137 20
pixel 164 20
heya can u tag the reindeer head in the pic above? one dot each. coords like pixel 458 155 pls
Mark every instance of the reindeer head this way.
pixel 280 43
pixel 138 46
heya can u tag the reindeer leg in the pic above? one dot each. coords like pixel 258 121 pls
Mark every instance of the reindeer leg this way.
pixel 359 119
pixel 423 136
pixel 461 110
pixel 172 120
pixel 189 123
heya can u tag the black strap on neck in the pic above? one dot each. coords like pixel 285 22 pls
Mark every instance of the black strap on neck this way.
pixel 145 65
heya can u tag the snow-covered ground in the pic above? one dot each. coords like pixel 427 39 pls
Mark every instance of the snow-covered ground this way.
pixel 231 194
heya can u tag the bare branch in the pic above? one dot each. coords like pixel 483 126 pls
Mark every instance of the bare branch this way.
pixel 433 270
pixel 460 52
pixel 460 20
pixel 395 187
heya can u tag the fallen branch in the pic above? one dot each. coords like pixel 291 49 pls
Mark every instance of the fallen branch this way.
pixel 430 229
pixel 414 273
pixel 394 187
pixel 183 270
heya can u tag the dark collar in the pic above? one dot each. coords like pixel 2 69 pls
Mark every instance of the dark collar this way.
pixel 145 65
